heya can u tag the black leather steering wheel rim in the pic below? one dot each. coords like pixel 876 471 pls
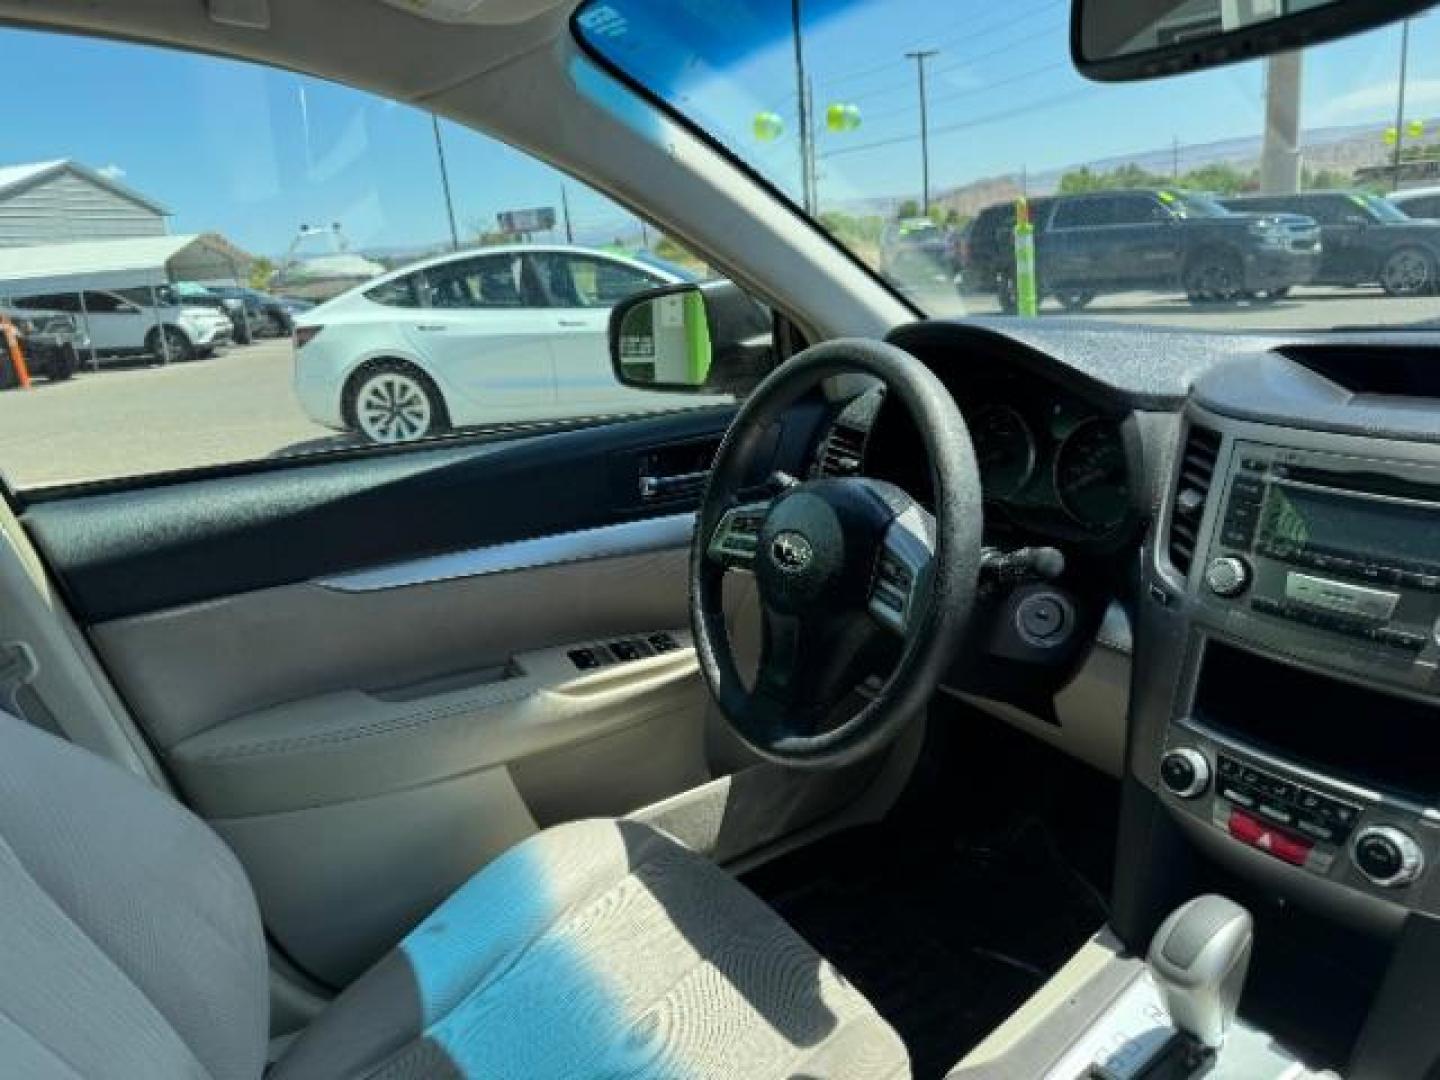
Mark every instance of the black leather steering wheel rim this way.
pixel 937 626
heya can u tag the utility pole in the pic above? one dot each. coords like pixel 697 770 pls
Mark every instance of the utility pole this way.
pixel 1280 152
pixel 1175 160
pixel 802 92
pixel 445 182
pixel 1400 104
pixel 565 210
pixel 920 56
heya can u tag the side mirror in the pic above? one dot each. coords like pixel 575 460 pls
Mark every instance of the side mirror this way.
pixel 706 338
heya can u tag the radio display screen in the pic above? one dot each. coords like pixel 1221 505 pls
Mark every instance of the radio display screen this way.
pixel 1301 520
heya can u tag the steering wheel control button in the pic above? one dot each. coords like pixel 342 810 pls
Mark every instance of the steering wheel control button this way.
pixel 890 598
pixel 1387 856
pixel 1185 772
pixel 1043 620
pixel 1227 576
pixel 1263 836
pixel 737 537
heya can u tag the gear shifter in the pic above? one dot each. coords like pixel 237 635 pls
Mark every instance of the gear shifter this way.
pixel 1199 958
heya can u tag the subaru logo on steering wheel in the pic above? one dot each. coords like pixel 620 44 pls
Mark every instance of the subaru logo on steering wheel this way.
pixel 791 552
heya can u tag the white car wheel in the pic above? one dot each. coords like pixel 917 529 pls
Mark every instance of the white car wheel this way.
pixel 394 405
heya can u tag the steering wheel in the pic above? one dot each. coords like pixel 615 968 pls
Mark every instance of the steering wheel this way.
pixel 839 565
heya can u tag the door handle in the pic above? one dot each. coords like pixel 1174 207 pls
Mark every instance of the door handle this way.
pixel 673 487
pixel 572 322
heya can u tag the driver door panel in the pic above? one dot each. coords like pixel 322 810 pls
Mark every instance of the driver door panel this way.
pixel 359 672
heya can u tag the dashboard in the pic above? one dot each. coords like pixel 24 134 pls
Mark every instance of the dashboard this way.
pixel 1056 465
pixel 1050 463
pixel 1262 509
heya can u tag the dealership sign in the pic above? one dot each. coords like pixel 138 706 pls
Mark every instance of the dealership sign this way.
pixel 526 221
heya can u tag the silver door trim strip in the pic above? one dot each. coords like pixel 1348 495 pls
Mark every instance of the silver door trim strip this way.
pixel 606 542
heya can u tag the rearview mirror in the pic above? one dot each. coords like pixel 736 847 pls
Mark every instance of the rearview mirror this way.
pixel 706 338
pixel 1118 40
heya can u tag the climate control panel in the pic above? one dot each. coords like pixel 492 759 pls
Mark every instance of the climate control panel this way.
pixel 1362 839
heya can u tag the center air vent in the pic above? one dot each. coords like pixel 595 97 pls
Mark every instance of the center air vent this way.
pixel 843 452
pixel 1197 468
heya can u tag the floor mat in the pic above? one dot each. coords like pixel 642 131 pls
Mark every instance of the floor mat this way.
pixel 946 938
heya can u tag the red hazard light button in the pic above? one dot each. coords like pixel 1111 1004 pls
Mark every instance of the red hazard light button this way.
pixel 1251 830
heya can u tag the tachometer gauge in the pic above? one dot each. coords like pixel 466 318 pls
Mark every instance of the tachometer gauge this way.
pixel 1091 478
pixel 1004 450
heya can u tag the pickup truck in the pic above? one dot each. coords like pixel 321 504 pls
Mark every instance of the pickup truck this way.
pixel 1366 240
pixel 1159 240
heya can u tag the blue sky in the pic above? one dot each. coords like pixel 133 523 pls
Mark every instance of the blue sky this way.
pixel 254 153
pixel 1003 95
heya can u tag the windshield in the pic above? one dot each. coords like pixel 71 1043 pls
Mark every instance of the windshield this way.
pixel 895 124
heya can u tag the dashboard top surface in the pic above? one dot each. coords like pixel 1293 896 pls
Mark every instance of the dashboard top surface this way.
pixel 1325 381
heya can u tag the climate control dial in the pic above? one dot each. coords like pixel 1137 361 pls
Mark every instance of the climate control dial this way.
pixel 1388 856
pixel 1185 772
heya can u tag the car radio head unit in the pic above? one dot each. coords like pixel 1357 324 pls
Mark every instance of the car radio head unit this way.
pixel 1330 557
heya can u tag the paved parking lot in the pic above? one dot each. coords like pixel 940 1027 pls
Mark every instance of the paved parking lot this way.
pixel 136 418
pixel 131 419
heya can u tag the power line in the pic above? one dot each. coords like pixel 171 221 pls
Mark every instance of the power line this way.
pixel 963 61
pixel 979 121
pixel 964 38
pixel 939 99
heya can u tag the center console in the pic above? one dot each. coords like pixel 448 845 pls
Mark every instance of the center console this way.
pixel 1308 726
pixel 1285 720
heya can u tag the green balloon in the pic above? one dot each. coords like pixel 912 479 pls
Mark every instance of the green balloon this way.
pixel 768 126
pixel 842 116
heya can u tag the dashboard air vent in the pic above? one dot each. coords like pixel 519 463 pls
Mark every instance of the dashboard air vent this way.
pixel 1197 468
pixel 843 452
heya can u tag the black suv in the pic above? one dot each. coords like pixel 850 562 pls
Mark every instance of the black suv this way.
pixel 1161 240
pixel 1367 240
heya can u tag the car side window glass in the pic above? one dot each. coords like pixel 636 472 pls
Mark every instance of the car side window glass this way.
pixel 1136 210
pixel 586 281
pixel 1083 213
pixel 99 303
pixel 489 282
pixel 401 292
pixel 334 271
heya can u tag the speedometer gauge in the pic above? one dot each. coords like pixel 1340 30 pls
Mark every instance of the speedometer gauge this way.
pixel 1004 450
pixel 1091 478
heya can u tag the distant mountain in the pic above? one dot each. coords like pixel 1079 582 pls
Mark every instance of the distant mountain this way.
pixel 1344 148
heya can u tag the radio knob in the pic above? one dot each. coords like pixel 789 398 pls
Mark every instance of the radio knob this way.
pixel 1185 772
pixel 1227 576
pixel 1387 856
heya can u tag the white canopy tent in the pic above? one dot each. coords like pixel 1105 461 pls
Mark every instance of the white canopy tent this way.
pixel 120 264
pixel 147 261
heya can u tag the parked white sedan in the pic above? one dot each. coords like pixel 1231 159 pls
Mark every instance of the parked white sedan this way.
pixel 487 336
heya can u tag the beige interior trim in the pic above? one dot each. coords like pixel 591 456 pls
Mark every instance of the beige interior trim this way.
pixel 70 682
pixel 354 744
pixel 191 668
pixel 1064 989
pixel 1091 708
